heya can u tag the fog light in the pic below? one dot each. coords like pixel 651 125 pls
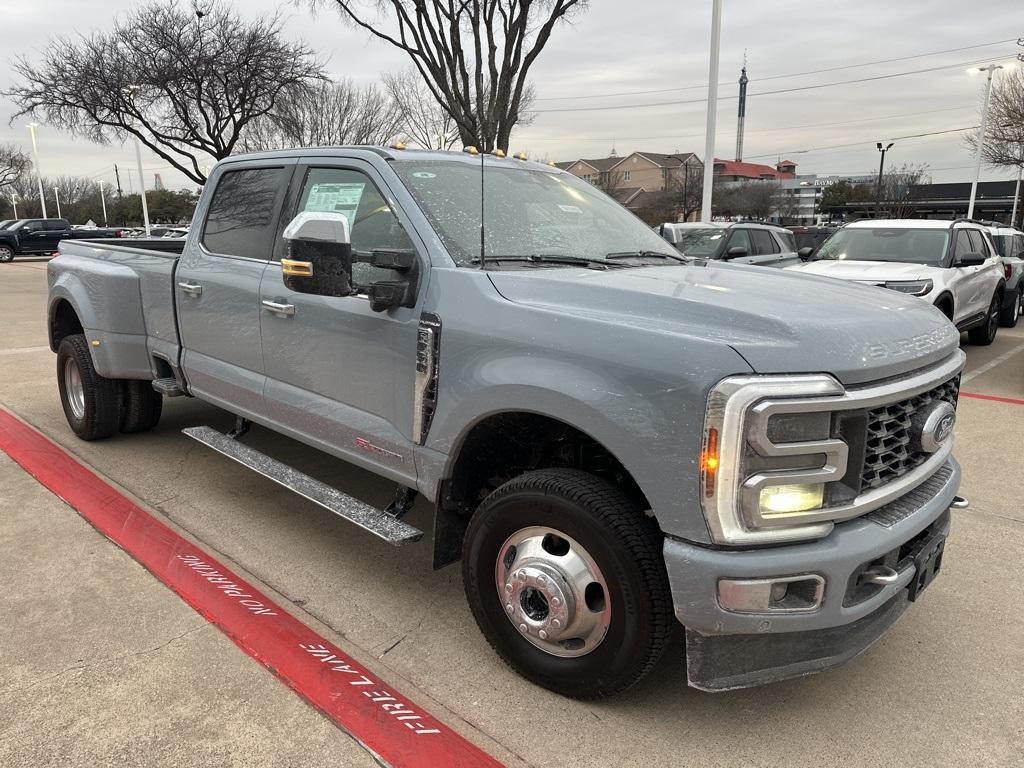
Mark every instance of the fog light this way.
pixel 787 499
pixel 787 594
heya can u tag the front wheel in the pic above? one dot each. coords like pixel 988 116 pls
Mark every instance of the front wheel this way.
pixel 985 334
pixel 566 579
pixel 6 253
pixel 92 403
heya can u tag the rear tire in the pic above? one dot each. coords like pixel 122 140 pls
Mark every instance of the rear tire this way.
pixel 142 406
pixel 6 254
pixel 1008 315
pixel 92 403
pixel 985 334
pixel 563 540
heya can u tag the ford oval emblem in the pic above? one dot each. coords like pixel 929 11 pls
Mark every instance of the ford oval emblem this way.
pixel 933 426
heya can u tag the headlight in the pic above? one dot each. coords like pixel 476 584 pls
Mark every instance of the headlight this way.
pixel 913 287
pixel 767 458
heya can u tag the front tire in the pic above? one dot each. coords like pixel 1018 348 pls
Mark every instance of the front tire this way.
pixel 92 403
pixel 566 579
pixel 985 334
pixel 6 254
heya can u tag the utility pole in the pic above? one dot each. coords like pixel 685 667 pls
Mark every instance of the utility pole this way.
pixel 103 202
pixel 56 196
pixel 130 90
pixel 881 167
pixel 117 176
pixel 35 159
pixel 709 130
pixel 981 135
pixel 1016 195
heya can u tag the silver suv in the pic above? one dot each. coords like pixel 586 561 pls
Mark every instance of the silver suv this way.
pixel 743 242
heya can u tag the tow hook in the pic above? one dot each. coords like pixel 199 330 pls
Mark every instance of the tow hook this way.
pixel 959 502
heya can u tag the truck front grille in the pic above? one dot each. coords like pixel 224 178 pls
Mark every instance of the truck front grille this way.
pixel 888 454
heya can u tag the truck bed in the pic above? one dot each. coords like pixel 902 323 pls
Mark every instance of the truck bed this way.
pixel 123 291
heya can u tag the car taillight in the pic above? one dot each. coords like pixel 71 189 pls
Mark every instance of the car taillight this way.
pixel 1007 271
pixel 119 233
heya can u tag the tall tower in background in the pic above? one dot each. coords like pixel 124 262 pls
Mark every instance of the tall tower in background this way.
pixel 742 116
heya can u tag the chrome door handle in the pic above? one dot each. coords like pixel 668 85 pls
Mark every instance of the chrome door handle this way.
pixel 192 289
pixel 283 310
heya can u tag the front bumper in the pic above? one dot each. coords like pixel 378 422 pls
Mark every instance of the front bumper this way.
pixel 730 650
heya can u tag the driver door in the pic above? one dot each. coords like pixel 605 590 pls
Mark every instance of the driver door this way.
pixel 339 375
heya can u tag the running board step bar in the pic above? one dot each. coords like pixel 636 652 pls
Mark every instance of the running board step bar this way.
pixel 376 521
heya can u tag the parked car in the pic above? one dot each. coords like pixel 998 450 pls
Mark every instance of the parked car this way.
pixel 740 242
pixel 614 439
pixel 35 236
pixel 811 237
pixel 1009 244
pixel 951 264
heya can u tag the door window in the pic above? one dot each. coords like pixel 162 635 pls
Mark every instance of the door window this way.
pixel 764 243
pixel 740 238
pixel 978 244
pixel 242 217
pixel 962 244
pixel 372 223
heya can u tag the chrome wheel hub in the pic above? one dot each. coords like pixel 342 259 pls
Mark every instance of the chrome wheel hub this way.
pixel 74 388
pixel 552 591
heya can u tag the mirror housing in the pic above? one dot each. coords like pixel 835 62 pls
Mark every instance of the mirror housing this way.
pixel 319 259
pixel 805 252
pixel 970 260
pixel 736 251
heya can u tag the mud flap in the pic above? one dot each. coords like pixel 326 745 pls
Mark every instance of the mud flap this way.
pixel 727 662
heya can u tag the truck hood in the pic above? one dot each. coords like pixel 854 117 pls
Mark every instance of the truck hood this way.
pixel 780 322
pixel 867 271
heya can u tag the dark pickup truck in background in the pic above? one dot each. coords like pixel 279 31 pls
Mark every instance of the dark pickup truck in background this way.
pixel 31 236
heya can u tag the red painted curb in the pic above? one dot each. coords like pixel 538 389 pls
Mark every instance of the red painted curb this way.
pixel 996 398
pixel 388 724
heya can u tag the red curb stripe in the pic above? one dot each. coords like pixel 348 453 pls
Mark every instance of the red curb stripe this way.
pixel 388 724
pixel 996 398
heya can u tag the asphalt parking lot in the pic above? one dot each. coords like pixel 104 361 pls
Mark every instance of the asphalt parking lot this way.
pixel 103 665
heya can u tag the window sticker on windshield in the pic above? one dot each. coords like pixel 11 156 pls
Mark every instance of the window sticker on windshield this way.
pixel 571 208
pixel 337 198
pixel 425 175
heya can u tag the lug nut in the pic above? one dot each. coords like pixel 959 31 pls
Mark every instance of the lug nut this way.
pixel 508 588
pixel 543 635
pixel 522 627
pixel 509 608
pixel 556 623
pixel 555 601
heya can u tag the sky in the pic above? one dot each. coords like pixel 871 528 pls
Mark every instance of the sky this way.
pixel 610 51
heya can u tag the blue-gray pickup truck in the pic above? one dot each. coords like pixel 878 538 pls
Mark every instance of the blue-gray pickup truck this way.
pixel 617 443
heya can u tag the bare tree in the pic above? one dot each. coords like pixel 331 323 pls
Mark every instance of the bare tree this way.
pixel 1004 137
pixel 749 199
pixel 13 164
pixel 897 185
pixel 325 113
pixel 473 55
pixel 424 121
pixel 186 84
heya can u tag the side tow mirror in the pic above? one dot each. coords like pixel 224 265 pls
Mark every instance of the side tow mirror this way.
pixel 970 260
pixel 735 251
pixel 319 259
pixel 805 252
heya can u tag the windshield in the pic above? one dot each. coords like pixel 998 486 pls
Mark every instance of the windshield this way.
pixel 906 246
pixel 700 242
pixel 6 223
pixel 528 212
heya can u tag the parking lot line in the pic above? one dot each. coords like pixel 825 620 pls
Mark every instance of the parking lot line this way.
pixel 995 398
pixel 389 725
pixel 990 364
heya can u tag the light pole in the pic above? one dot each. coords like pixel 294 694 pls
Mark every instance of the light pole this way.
pixel 709 130
pixel 103 202
pixel 130 90
pixel 14 202
pixel 1016 195
pixel 56 196
pixel 881 167
pixel 35 159
pixel 981 135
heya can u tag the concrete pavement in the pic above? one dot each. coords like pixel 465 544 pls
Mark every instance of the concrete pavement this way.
pixel 942 688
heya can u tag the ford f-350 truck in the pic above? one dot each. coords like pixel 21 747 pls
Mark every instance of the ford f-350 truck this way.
pixel 616 442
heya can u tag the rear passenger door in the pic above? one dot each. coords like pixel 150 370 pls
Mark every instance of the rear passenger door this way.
pixel 217 284
pixel 767 252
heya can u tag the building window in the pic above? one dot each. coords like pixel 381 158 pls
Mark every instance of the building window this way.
pixel 625 175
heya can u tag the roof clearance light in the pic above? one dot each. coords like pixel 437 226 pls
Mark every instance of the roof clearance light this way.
pixel 471 150
pixel 520 156
pixel 398 145
pixel 498 152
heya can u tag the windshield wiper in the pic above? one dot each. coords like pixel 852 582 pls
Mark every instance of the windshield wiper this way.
pixel 549 258
pixel 646 255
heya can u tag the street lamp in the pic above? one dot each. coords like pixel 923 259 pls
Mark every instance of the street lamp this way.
pixel 35 159
pixel 56 196
pixel 881 166
pixel 130 91
pixel 709 130
pixel 14 202
pixel 981 135
pixel 103 202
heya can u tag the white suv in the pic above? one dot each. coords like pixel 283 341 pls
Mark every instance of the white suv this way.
pixel 951 264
